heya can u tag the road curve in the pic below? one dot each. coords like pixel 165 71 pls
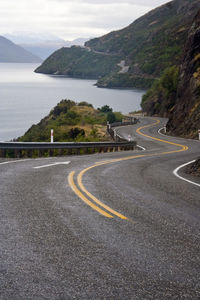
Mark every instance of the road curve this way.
pixel 104 226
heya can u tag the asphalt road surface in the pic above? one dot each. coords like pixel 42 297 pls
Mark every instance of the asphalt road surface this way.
pixel 104 226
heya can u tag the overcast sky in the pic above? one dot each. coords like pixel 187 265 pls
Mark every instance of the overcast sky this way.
pixel 70 19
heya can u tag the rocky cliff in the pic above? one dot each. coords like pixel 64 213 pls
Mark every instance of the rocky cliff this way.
pixel 184 118
pixel 176 94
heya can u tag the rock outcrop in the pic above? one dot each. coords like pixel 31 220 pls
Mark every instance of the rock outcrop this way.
pixel 194 168
pixel 184 119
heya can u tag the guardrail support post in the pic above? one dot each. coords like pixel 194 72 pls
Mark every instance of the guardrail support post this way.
pixel 69 151
pixel 39 153
pixel 85 150
pixel 30 153
pixel 2 153
pixel 78 151
pixel 17 153
pixel 50 152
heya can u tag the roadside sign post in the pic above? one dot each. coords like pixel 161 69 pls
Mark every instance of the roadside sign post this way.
pixel 199 133
pixel 51 135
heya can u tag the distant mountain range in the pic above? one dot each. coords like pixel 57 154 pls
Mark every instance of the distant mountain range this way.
pixel 10 52
pixel 42 45
pixel 46 48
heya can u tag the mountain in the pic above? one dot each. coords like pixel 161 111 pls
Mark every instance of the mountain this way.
pixel 78 62
pixel 9 52
pixel 176 94
pixel 138 53
pixel 42 45
pixel 45 48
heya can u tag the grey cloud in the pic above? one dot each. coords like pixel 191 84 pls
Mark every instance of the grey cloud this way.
pixel 72 18
pixel 147 3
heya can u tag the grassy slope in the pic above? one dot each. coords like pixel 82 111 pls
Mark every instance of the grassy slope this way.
pixel 71 122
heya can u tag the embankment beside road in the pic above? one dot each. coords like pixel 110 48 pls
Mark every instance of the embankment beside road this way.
pixel 194 168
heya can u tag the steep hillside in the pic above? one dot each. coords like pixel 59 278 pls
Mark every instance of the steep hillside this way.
pixel 9 52
pixel 185 116
pixel 136 54
pixel 72 122
pixel 177 94
pixel 194 168
pixel 78 62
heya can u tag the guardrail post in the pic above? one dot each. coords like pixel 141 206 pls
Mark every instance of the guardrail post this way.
pixel 2 153
pixel 85 150
pixel 50 152
pixel 92 150
pixel 30 153
pixel 78 151
pixel 69 151
pixel 17 153
pixel 39 152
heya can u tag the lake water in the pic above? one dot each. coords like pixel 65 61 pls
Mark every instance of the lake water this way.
pixel 26 97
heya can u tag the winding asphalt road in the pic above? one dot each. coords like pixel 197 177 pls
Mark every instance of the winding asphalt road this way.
pixel 105 226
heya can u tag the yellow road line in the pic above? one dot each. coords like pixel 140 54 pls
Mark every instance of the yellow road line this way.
pixel 80 175
pixel 80 195
pixel 79 178
pixel 184 148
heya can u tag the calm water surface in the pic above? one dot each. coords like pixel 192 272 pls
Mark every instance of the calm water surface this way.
pixel 26 97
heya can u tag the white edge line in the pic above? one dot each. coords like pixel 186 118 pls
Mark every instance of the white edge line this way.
pixel 13 161
pixel 22 160
pixel 159 131
pixel 144 149
pixel 53 164
pixel 175 172
pixel 141 147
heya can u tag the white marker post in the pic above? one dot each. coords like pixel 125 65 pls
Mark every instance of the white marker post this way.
pixel 199 133
pixel 165 129
pixel 51 135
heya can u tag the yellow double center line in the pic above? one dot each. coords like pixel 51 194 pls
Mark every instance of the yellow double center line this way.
pixel 102 208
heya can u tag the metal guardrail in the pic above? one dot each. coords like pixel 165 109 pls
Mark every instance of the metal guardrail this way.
pixel 26 149
pixel 111 128
pixel 35 149
pixel 131 121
